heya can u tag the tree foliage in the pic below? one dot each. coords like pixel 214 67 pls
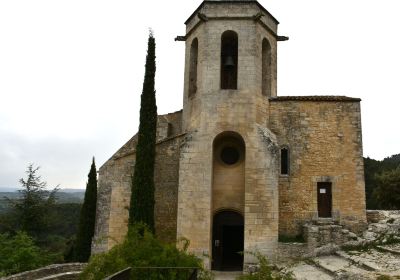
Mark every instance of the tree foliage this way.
pixel 372 169
pixel 87 218
pixel 141 249
pixel 387 192
pixel 35 230
pixel 32 209
pixel 142 198
pixel 19 253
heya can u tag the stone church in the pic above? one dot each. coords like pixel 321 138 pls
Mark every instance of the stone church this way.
pixel 239 166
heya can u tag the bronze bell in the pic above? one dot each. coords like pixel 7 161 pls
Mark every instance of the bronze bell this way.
pixel 229 62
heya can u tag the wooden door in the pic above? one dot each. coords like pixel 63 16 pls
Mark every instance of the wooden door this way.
pixel 324 200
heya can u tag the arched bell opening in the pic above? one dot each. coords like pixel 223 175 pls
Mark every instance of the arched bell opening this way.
pixel 229 60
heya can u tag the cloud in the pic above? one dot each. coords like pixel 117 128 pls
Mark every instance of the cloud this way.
pixel 62 161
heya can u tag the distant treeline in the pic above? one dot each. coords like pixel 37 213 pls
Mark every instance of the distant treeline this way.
pixel 375 172
pixel 62 198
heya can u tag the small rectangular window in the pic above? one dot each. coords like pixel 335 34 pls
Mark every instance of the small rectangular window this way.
pixel 284 161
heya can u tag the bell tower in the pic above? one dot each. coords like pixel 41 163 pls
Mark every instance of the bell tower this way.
pixel 225 164
pixel 231 53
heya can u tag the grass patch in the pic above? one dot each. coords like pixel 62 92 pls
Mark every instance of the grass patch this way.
pixel 384 277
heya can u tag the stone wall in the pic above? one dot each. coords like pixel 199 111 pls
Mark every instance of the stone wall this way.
pixel 228 180
pixel 114 187
pixel 213 112
pixel 374 216
pixel 323 135
pixel 166 193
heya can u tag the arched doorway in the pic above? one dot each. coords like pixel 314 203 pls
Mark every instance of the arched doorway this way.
pixel 228 241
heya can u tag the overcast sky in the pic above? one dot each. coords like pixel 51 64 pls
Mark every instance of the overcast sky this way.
pixel 71 73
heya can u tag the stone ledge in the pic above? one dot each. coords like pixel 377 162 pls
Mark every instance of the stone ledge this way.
pixel 315 98
pixel 395 252
pixel 72 275
pixel 47 271
pixel 358 261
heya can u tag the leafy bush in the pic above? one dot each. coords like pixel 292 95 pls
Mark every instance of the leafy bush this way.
pixel 140 250
pixel 19 253
pixel 266 271
pixel 291 239
pixel 387 191
pixel 384 277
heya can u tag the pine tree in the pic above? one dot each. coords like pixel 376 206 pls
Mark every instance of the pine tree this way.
pixel 142 198
pixel 87 218
pixel 36 201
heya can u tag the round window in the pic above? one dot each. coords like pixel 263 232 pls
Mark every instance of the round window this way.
pixel 230 155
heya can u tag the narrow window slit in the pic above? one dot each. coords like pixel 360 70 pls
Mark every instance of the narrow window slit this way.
pixel 194 49
pixel 284 161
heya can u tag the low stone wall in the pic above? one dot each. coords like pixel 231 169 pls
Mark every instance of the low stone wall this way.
pixel 319 234
pixel 383 225
pixel 66 271
pixel 374 216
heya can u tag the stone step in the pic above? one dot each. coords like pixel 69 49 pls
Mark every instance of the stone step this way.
pixel 375 260
pixel 389 250
pixel 304 271
pixel 335 265
pixel 361 262
pixel 226 275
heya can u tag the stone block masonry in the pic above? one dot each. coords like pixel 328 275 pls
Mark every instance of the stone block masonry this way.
pixel 230 103
pixel 114 187
pixel 323 135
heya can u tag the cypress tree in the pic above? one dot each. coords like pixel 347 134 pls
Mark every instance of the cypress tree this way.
pixel 142 198
pixel 87 218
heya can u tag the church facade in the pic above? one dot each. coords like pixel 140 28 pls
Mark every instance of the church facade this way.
pixel 240 166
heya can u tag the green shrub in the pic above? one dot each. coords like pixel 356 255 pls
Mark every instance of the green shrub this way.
pixel 266 271
pixel 390 239
pixel 291 239
pixel 384 277
pixel 391 221
pixel 141 249
pixel 19 253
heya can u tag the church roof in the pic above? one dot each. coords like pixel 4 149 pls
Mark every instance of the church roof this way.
pixel 318 98
pixel 231 1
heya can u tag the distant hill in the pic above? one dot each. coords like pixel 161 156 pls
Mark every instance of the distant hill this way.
pixel 8 189
pixel 63 196
pixel 373 167
pixel 72 190
pixel 14 189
